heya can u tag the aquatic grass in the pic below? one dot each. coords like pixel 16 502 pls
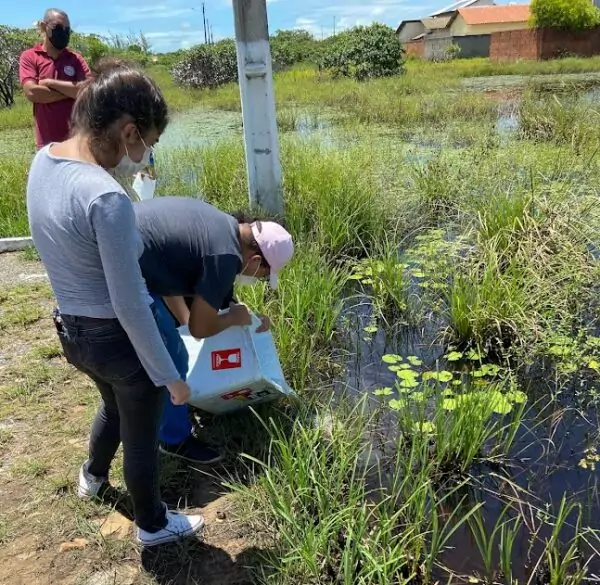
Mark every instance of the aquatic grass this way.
pixel 326 524
pixel 563 560
pixel 481 67
pixel 460 425
pixel 497 543
pixel 564 120
pixel 305 311
pixel 385 280
pixel 501 219
pixel 333 198
pixel 488 302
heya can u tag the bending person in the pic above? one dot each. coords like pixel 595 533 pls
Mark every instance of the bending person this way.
pixel 192 249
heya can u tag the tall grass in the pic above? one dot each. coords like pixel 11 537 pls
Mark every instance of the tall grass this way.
pixel 13 211
pixel 305 311
pixel 332 197
pixel 485 67
pixel 18 116
pixel 327 526
pixel 564 120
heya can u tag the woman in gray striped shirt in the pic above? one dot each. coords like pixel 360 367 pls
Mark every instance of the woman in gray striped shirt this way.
pixel 83 225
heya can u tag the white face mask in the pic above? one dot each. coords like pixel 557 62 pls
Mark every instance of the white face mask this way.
pixel 128 167
pixel 242 280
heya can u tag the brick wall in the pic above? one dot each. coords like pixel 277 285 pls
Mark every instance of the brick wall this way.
pixel 556 43
pixel 543 44
pixel 514 45
pixel 415 49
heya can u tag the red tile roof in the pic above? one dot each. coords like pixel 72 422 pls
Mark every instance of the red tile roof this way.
pixel 495 14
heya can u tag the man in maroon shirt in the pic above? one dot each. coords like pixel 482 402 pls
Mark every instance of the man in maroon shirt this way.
pixel 51 76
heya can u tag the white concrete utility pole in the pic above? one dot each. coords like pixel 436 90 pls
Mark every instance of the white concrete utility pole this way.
pixel 258 105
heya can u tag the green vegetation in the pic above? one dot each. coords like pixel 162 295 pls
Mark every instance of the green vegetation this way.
pixel 448 254
pixel 207 66
pixel 572 15
pixel 363 52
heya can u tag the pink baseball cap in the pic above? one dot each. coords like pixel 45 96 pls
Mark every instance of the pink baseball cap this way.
pixel 276 246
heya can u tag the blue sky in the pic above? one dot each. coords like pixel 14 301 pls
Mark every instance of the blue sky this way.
pixel 174 24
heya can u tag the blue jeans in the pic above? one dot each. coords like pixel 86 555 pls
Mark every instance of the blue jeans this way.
pixel 175 426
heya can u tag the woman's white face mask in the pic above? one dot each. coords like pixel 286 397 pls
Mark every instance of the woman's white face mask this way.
pixel 128 167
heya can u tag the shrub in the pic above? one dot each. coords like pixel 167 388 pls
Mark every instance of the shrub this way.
pixel 289 47
pixel 13 42
pixel 364 52
pixel 207 65
pixel 572 15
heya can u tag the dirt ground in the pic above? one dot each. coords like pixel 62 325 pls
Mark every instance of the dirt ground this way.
pixel 47 535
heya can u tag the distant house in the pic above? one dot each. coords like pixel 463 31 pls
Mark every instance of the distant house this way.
pixel 450 10
pixel 485 20
pixel 409 29
pixel 430 37
pixel 467 24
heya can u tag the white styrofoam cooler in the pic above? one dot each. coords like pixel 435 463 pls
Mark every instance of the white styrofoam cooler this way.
pixel 235 369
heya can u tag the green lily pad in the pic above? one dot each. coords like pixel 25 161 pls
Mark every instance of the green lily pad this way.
pixel 396 404
pixel 475 355
pixel 486 370
pixel 383 392
pixel 448 393
pixel 408 384
pixel 396 368
pixel 414 360
pixel 454 356
pixel 594 365
pixel 517 396
pixel 449 404
pixel 371 329
pixel 417 273
pixel 499 402
pixel 407 374
pixel 356 276
pixel 456 382
pixel 418 396
pixel 424 427
pixel 443 376
pixel 391 358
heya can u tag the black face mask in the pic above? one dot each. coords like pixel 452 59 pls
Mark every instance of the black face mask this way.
pixel 59 36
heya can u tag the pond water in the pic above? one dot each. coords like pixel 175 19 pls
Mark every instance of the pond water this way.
pixel 200 127
pixel 553 454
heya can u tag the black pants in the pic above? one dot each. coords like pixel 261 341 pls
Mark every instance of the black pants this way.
pixel 130 410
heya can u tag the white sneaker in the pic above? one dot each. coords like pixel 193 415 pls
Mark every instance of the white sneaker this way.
pixel 89 485
pixel 178 526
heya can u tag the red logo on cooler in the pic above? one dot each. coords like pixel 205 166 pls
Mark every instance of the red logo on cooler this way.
pixel 226 359
pixel 243 394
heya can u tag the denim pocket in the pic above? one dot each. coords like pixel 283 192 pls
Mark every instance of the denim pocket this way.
pixel 114 361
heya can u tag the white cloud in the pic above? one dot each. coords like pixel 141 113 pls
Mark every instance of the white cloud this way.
pixel 186 24
pixel 154 11
pixel 171 40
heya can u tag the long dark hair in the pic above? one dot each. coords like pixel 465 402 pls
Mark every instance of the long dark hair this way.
pixel 116 90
